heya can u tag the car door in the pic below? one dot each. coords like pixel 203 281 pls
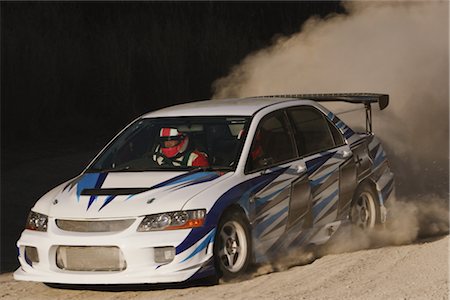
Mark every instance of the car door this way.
pixel 328 160
pixel 277 173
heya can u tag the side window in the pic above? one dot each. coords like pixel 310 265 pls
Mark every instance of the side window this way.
pixel 272 143
pixel 337 136
pixel 312 131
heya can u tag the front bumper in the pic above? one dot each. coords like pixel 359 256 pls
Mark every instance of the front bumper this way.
pixel 137 248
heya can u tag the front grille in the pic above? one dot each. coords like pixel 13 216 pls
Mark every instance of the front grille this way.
pixel 94 226
pixel 90 259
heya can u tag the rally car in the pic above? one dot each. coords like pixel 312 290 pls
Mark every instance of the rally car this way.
pixel 207 189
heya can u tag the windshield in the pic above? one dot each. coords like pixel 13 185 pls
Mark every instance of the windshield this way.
pixel 180 143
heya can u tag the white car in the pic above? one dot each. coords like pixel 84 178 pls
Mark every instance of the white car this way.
pixel 281 172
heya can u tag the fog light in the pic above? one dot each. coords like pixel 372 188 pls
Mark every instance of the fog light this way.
pixel 31 255
pixel 164 255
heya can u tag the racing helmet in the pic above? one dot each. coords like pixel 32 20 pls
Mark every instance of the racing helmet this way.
pixel 172 141
pixel 256 150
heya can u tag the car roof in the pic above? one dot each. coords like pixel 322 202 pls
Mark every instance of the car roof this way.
pixel 224 107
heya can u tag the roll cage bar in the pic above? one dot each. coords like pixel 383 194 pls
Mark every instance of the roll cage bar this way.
pixel 356 98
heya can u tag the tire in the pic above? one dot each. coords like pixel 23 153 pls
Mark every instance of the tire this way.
pixel 232 246
pixel 365 211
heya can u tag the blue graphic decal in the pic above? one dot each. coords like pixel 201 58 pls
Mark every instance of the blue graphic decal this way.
pixel 293 236
pixel 263 225
pixel 314 164
pixel 348 133
pixel 208 269
pixel 387 189
pixel 101 178
pixel 240 192
pixel 318 207
pixel 96 180
pixel 72 183
pixel 263 200
pixel 87 181
pixel 91 201
pixel 107 201
pixel 203 245
pixel 174 180
pixel 195 178
pixel 379 159
pixel 321 179
pixel 129 197
pixel 209 176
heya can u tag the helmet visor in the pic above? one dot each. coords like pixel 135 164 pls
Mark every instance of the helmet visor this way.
pixel 170 141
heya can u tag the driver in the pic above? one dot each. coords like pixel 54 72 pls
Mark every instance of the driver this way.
pixel 174 150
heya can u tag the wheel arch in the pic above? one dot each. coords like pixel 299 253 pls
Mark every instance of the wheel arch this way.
pixel 366 182
pixel 234 207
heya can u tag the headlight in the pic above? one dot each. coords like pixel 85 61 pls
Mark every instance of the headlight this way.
pixel 36 221
pixel 173 220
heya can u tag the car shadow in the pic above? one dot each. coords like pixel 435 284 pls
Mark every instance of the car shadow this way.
pixel 210 281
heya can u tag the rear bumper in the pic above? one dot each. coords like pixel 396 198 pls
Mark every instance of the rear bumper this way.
pixel 137 249
pixel 385 188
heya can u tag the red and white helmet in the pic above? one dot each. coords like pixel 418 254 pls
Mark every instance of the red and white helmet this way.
pixel 172 134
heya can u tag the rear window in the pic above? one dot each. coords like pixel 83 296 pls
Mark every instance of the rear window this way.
pixel 312 131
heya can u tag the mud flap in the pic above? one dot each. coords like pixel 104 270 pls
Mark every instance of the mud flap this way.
pixel 324 233
pixel 385 187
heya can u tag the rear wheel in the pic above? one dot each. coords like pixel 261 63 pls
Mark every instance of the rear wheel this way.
pixel 364 213
pixel 232 247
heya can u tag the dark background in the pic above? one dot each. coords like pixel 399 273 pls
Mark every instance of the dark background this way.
pixel 68 68
pixel 75 73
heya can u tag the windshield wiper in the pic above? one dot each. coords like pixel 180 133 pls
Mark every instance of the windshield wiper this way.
pixel 97 170
pixel 189 170
pixel 211 169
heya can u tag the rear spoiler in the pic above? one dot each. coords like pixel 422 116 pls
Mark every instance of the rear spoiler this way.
pixel 356 98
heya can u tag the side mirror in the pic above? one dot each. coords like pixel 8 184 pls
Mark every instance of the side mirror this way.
pixel 266 161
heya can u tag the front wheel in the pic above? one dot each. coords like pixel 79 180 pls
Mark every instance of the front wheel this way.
pixel 232 247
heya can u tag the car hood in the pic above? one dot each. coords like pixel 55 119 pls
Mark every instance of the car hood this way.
pixel 113 195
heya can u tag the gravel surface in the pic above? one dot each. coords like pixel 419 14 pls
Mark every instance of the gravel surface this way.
pixel 415 271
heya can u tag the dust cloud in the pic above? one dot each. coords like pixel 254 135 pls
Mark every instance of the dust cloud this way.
pixel 399 48
pixel 386 47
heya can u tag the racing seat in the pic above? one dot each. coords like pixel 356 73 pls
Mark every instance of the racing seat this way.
pixel 221 145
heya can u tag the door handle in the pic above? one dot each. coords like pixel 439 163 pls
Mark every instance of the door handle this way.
pixel 346 153
pixel 300 169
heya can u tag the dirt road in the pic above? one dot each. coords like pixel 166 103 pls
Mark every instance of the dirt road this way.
pixel 416 271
